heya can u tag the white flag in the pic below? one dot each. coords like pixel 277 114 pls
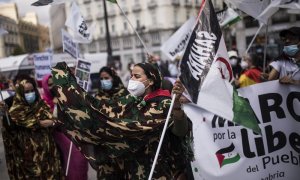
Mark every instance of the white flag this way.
pixel 262 10
pixel 82 33
pixel 175 45
pixel 252 7
pixel 274 7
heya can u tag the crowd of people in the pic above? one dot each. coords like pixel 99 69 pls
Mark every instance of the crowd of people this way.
pixel 118 130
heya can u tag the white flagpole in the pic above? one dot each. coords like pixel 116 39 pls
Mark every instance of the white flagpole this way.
pixel 162 137
pixel 148 52
pixel 249 46
pixel 6 113
pixel 265 49
pixel 69 157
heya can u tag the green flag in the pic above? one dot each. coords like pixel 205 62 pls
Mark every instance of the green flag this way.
pixel 113 1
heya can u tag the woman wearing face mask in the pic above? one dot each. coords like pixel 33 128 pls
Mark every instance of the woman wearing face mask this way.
pixel 252 73
pixel 286 68
pixel 37 156
pixel 120 138
pixel 78 168
pixel 111 86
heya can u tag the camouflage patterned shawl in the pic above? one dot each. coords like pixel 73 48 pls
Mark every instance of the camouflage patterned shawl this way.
pixel 113 133
pixel 35 155
pixel 26 115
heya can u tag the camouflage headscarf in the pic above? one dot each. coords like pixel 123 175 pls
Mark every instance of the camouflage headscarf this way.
pixel 117 90
pixel 36 156
pixel 27 115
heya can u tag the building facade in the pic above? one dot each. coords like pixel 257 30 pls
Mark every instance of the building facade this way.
pixel 57 21
pixel 154 20
pixel 24 34
pixel 157 20
pixel 8 42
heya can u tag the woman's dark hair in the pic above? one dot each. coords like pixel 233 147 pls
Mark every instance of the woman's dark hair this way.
pixel 116 79
pixel 20 77
pixel 256 59
pixel 152 73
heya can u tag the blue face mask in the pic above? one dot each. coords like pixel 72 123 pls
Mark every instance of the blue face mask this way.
pixel 30 97
pixel 106 84
pixel 291 50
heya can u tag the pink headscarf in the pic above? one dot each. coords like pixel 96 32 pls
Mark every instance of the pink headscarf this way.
pixel 47 97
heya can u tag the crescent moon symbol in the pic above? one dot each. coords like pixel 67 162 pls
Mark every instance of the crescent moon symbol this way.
pixel 223 60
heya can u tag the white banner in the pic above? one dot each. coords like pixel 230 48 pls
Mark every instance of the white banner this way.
pixel 224 150
pixel 69 45
pixel 175 45
pixel 42 64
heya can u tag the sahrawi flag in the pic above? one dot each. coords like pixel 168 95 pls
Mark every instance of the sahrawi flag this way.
pixel 81 32
pixel 207 75
pixel 227 17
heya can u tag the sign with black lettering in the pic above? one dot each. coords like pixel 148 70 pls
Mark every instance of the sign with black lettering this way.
pixel 224 150
pixel 42 64
pixel 176 44
pixel 82 73
pixel 69 45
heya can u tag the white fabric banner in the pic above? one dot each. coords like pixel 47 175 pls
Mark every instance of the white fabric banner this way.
pixel 76 22
pixel 69 45
pixel 42 64
pixel 175 45
pixel 224 150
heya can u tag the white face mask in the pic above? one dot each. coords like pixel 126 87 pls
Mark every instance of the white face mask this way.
pixel 233 61
pixel 136 88
pixel 244 65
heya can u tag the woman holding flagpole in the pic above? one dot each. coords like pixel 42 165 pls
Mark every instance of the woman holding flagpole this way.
pixel 120 137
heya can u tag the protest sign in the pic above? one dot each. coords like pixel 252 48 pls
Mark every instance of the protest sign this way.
pixel 42 64
pixel 224 150
pixel 83 73
pixel 69 45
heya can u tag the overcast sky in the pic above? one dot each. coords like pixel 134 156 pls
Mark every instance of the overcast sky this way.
pixel 24 6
